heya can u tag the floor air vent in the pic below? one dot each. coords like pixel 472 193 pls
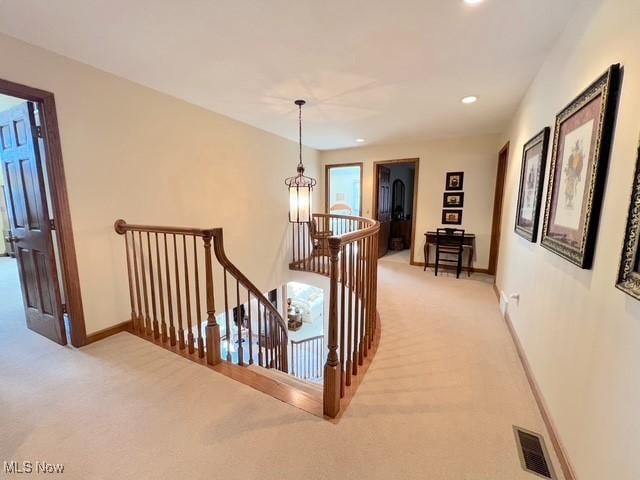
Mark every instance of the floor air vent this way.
pixel 533 454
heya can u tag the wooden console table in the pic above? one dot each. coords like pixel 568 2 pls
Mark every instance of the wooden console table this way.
pixel 468 243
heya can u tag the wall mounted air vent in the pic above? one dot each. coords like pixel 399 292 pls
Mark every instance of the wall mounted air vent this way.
pixel 533 453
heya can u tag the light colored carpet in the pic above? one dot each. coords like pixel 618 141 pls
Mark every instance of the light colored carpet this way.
pixel 399 256
pixel 438 402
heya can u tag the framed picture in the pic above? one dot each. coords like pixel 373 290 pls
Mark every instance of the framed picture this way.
pixel 455 181
pixel 453 200
pixel 629 273
pixel 534 161
pixel 579 158
pixel 451 217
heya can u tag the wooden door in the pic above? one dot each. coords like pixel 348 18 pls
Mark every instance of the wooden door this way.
pixel 384 209
pixel 501 175
pixel 29 221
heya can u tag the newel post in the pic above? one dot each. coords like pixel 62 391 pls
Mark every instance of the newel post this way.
pixel 332 367
pixel 212 329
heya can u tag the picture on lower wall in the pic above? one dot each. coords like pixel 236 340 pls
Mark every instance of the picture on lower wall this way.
pixel 451 217
pixel 629 273
pixel 534 161
pixel 581 146
pixel 453 200
pixel 455 181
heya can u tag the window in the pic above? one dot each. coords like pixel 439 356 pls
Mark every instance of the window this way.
pixel 344 189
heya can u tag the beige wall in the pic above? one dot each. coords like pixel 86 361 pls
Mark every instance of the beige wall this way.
pixel 476 156
pixel 581 334
pixel 134 153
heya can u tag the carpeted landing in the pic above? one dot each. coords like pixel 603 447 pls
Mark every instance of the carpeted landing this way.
pixel 439 401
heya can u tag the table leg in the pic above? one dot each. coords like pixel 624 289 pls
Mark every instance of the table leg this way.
pixel 470 261
pixel 426 255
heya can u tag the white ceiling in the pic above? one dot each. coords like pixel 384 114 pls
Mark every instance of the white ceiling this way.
pixel 383 70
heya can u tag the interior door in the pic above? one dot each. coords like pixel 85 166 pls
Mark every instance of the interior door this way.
pixel 29 222
pixel 384 209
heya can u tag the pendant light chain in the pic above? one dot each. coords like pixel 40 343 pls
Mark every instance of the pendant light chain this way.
pixel 300 186
pixel 300 133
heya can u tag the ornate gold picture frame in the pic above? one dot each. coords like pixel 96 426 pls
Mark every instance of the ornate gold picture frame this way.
pixel 629 273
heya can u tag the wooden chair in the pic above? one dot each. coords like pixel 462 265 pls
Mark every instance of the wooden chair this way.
pixel 319 240
pixel 449 242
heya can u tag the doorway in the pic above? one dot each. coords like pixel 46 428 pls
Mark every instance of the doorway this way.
pixel 395 193
pixel 38 264
pixel 503 158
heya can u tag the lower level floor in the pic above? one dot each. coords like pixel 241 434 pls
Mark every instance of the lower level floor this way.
pixel 439 401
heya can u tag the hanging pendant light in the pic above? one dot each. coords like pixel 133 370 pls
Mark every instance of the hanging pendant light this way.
pixel 300 186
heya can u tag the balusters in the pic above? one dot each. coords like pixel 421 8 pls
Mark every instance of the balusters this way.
pixel 239 318
pixel 147 320
pixel 139 321
pixel 190 339
pixel 260 336
pixel 249 327
pixel 343 285
pixel 356 313
pixel 164 275
pixel 156 329
pixel 350 314
pixel 172 328
pixel 134 315
pixel 198 309
pixel 163 325
pixel 226 317
pixel 365 304
pixel 362 296
pixel 181 344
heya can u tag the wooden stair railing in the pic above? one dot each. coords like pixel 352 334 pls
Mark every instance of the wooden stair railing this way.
pixel 307 357
pixel 171 286
pixel 351 263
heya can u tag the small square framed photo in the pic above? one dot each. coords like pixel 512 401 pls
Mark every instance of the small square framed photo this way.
pixel 451 217
pixel 455 181
pixel 453 200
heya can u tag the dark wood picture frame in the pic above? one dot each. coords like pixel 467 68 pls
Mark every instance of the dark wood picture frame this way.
pixel 629 273
pixel 529 229
pixel 447 195
pixel 455 181
pixel 577 245
pixel 446 221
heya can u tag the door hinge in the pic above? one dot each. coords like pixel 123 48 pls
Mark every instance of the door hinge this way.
pixel 38 131
pixel 52 223
pixel 64 309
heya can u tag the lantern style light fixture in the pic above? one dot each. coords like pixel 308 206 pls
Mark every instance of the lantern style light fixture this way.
pixel 300 186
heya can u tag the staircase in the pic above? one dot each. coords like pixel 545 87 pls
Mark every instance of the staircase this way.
pixel 185 295
pixel 173 297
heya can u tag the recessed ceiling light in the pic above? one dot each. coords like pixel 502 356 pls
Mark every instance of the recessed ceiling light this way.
pixel 472 2
pixel 360 140
pixel 470 99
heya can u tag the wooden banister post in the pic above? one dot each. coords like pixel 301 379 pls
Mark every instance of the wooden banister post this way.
pixel 331 394
pixel 212 328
